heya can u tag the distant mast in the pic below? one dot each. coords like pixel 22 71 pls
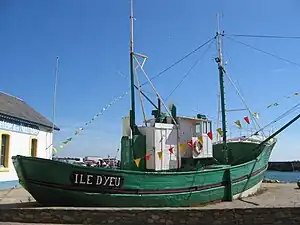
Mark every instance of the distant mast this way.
pixel 54 100
pixel 219 60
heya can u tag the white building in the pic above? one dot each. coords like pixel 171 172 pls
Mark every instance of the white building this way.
pixel 23 131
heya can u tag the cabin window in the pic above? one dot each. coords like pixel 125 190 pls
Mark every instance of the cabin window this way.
pixel 204 125
pixel 33 147
pixel 4 151
pixel 209 126
pixel 198 128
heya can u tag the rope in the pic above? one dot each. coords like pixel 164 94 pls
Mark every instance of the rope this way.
pixel 262 36
pixel 180 60
pixel 243 100
pixel 262 51
pixel 140 96
pixel 156 92
pixel 190 70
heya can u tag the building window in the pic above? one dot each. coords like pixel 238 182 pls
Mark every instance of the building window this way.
pixel 4 156
pixel 33 147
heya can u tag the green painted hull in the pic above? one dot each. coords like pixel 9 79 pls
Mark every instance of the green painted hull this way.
pixel 50 183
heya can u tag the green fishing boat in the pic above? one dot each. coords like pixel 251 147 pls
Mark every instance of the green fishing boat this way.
pixel 169 161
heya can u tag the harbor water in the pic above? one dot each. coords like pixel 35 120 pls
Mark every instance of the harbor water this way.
pixel 283 176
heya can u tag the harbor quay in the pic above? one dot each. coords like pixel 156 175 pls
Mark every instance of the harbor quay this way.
pixel 275 203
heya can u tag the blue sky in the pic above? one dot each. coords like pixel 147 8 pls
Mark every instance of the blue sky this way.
pixel 92 40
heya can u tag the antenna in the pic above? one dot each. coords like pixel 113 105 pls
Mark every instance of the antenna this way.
pixel 131 26
pixel 54 99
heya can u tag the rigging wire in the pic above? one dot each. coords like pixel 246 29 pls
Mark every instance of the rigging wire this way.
pixel 243 100
pixel 262 36
pixel 294 108
pixel 127 78
pixel 140 96
pixel 180 60
pixel 262 51
pixel 190 70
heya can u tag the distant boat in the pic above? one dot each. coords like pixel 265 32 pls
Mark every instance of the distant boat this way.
pixel 170 162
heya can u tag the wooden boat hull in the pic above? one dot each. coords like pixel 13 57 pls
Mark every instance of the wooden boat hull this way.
pixel 54 183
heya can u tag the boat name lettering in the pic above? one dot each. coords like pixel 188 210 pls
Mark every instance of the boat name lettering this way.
pixel 86 179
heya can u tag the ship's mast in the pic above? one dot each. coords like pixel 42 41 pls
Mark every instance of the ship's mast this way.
pixel 132 111
pixel 219 60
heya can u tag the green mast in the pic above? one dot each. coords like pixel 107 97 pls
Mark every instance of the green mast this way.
pixel 132 111
pixel 219 60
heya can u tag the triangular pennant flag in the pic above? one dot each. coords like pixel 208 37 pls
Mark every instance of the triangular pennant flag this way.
pixel 69 139
pixel 269 106
pixel 61 146
pixel 200 139
pixel 65 142
pixel 147 156
pixel 77 132
pixel 210 135
pixel 238 123
pixel 275 104
pixel 159 155
pixel 54 149
pixel 171 149
pixel 296 93
pixel 182 147
pixel 255 115
pixel 137 162
pixel 246 118
pixel 220 132
pixel 190 143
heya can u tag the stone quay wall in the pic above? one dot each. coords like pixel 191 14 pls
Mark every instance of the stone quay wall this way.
pixel 154 216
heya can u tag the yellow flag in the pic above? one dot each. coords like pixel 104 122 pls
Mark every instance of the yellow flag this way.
pixel 255 115
pixel 220 132
pixel 137 162
pixel 159 155
pixel 200 139
pixel 54 149
pixel 61 146
pixel 238 123
pixel 182 147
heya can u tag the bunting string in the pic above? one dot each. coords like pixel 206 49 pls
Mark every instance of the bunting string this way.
pixel 295 94
pixel 182 148
pixel 78 131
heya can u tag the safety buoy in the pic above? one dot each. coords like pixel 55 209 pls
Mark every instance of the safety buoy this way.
pixel 198 147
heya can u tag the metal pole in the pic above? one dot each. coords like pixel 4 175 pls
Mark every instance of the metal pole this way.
pixel 54 99
pixel 222 94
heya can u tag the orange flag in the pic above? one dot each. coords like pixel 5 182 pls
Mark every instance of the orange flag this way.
pixel 137 162
pixel 210 135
